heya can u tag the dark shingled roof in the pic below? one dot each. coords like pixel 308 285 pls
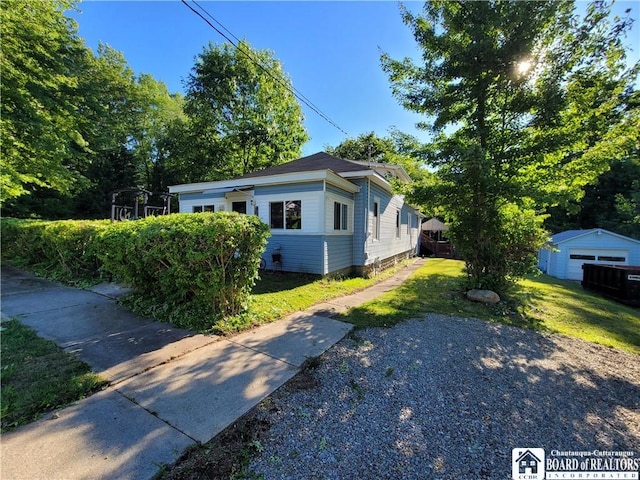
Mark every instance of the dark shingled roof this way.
pixel 317 161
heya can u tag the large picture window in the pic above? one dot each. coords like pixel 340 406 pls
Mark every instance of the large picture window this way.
pixel 286 215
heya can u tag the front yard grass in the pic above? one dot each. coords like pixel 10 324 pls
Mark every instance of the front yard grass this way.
pixel 37 376
pixel 541 303
pixel 277 295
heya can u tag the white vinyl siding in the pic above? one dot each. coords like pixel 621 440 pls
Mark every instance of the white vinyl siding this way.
pixel 344 210
pixel 312 207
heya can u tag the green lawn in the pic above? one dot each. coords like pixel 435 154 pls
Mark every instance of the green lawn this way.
pixel 38 376
pixel 278 294
pixel 541 303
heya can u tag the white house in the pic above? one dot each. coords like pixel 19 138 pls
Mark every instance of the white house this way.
pixel 326 214
pixel 569 250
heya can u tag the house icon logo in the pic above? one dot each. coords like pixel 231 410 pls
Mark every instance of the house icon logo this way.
pixel 527 464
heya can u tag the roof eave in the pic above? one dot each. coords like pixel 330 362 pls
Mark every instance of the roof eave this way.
pixel 398 170
pixel 283 178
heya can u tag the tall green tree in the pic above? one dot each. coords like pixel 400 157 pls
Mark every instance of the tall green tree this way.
pixel 242 113
pixel 158 111
pixel 397 149
pixel 613 203
pixel 40 59
pixel 526 107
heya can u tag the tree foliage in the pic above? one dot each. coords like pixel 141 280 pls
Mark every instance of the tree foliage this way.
pixel 78 125
pixel 41 56
pixel 527 107
pixel 396 149
pixel 242 112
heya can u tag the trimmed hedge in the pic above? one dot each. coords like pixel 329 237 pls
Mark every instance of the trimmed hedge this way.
pixel 200 265
pixel 211 259
pixel 62 250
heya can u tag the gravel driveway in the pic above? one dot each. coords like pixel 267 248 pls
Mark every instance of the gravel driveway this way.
pixel 449 398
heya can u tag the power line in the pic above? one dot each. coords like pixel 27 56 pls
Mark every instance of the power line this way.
pixel 296 93
pixel 295 90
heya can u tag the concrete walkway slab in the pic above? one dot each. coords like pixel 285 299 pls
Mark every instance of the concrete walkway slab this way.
pixel 142 363
pixel 105 436
pixel 202 393
pixel 170 387
pixel 145 345
pixel 44 299
pixel 97 317
pixel 111 290
pixel 295 338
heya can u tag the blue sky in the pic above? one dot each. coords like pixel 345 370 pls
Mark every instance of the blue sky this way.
pixel 330 50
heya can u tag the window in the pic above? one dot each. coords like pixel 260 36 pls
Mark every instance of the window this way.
pixel 340 216
pixel 293 211
pixel 397 223
pixel 582 257
pixel 286 215
pixel 408 224
pixel 606 258
pixel 345 216
pixel 202 208
pixel 376 221
pixel 240 207
pixel 276 217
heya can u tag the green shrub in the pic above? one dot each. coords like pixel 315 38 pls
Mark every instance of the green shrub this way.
pixel 63 250
pixel 190 262
pixel 190 269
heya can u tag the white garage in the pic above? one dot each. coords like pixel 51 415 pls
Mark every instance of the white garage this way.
pixel 569 250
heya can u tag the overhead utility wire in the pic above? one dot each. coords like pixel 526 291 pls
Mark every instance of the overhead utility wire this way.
pixel 287 85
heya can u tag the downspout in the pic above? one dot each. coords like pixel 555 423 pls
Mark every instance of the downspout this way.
pixel 366 230
pixel 323 226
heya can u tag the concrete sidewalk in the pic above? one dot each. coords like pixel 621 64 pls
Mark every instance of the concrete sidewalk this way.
pixel 170 388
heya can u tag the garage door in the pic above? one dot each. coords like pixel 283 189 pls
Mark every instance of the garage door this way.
pixel 591 255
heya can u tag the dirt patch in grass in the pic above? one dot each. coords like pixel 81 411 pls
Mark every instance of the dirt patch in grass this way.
pixel 224 457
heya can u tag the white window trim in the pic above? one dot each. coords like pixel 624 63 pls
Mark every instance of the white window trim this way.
pixel 375 220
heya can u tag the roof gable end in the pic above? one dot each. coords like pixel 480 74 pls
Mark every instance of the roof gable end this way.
pixel 573 234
